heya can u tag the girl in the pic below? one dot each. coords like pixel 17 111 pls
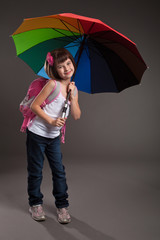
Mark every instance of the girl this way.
pixel 43 135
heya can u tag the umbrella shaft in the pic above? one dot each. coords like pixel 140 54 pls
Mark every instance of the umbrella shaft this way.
pixel 66 105
pixel 67 99
pixel 80 51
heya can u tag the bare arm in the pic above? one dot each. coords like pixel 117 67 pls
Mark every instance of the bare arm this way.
pixel 36 105
pixel 75 108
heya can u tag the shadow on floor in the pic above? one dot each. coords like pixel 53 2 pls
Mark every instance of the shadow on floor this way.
pixel 76 230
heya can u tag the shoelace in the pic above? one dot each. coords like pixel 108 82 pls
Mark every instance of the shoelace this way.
pixel 38 210
pixel 64 212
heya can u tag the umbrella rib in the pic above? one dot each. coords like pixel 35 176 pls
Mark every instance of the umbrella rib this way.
pixel 110 42
pixel 72 45
pixel 100 35
pixel 62 40
pixel 87 52
pixel 91 27
pixel 92 48
pixel 69 29
pixel 63 34
pixel 79 27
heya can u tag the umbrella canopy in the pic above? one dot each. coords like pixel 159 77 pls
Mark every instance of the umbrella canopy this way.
pixel 107 60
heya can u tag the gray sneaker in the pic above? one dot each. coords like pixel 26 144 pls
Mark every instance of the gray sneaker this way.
pixel 37 212
pixel 63 215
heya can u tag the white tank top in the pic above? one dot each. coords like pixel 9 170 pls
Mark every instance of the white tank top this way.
pixel 54 110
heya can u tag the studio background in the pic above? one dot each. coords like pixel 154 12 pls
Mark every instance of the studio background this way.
pixel 113 127
pixel 125 124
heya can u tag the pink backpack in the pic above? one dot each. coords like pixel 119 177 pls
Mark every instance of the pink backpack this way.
pixel 33 90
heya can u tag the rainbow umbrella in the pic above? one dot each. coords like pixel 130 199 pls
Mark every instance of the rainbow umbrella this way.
pixel 107 60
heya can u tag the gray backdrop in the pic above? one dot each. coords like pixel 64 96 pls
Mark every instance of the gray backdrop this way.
pixel 125 124
pixel 111 153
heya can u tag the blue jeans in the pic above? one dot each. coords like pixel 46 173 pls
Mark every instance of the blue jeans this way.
pixel 37 147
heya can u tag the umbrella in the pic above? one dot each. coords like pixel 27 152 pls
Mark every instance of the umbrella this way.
pixel 107 60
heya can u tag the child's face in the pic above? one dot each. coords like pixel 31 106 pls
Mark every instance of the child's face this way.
pixel 65 69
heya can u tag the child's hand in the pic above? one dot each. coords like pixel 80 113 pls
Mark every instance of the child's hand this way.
pixel 71 86
pixel 59 122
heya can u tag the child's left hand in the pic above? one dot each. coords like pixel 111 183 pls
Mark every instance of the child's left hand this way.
pixel 71 86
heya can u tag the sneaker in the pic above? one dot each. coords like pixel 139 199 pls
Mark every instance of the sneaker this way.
pixel 63 215
pixel 37 213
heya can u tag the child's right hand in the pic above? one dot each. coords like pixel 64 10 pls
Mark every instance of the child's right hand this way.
pixel 59 122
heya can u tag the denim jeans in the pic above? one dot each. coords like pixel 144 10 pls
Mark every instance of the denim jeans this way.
pixel 37 148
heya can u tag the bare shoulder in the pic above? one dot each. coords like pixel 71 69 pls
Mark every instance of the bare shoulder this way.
pixel 50 85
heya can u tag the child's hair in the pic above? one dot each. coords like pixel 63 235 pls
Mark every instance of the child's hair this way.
pixel 59 56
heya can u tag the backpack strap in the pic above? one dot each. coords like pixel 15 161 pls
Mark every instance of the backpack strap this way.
pixel 55 93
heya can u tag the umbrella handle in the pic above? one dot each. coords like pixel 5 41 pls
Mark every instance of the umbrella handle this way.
pixel 66 105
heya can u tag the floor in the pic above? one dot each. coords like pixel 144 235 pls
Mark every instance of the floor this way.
pixel 109 200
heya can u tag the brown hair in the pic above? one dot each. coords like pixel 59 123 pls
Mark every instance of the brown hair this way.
pixel 59 56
